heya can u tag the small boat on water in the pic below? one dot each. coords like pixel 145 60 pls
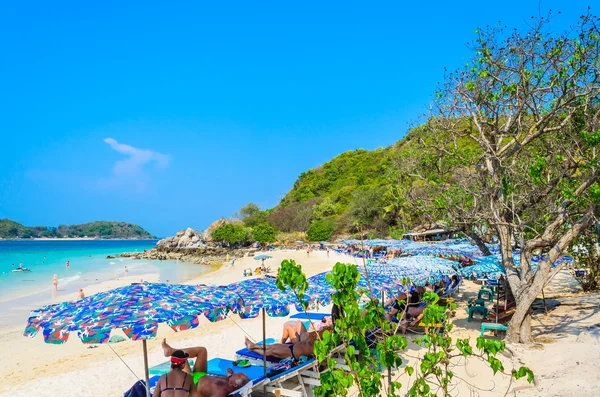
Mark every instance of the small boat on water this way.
pixel 21 270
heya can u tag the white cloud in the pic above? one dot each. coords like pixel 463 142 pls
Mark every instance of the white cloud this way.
pixel 131 171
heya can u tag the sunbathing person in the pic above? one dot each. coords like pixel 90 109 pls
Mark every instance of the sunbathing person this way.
pixel 304 347
pixel 293 330
pixel 398 305
pixel 208 386
pixel 414 314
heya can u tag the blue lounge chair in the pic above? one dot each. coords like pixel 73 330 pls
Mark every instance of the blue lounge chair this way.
pixel 310 316
pixel 256 358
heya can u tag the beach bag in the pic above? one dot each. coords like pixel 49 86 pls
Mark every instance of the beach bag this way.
pixel 137 390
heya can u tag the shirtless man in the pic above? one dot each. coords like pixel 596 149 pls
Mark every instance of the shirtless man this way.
pixel 305 346
pixel 208 386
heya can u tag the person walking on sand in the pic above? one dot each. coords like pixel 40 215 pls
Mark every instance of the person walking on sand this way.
pixel 55 282
pixel 308 251
pixel 126 271
pixel 80 295
pixel 327 249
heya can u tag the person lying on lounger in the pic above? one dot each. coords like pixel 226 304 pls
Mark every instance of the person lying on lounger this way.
pixel 183 384
pixel 294 330
pixel 397 305
pixel 413 314
pixel 305 346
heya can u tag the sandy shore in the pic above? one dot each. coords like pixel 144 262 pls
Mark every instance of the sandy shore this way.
pixel 565 363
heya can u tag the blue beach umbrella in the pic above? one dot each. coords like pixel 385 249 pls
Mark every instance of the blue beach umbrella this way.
pixel 257 293
pixel 491 266
pixel 137 309
pixel 262 257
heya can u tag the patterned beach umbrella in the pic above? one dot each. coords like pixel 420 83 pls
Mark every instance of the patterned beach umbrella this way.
pixel 257 293
pixel 137 309
pixel 491 266
pixel 419 269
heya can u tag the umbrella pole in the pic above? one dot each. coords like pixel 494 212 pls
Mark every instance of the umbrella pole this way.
pixel 146 373
pixel 264 324
pixel 544 300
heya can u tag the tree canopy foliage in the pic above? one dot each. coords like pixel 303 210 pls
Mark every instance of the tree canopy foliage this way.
pixel 116 230
pixel 251 215
pixel 264 233
pixel 231 234
pixel 514 137
pixel 320 230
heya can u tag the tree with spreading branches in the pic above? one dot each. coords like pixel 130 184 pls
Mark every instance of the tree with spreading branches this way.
pixel 528 107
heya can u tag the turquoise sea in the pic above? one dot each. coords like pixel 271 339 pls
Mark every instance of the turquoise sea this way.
pixel 88 265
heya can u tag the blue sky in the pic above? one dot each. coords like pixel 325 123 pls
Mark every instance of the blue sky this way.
pixel 172 116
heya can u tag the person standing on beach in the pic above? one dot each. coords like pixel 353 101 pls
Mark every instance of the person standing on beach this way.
pixel 80 295
pixel 327 249
pixel 308 251
pixel 55 283
pixel 126 271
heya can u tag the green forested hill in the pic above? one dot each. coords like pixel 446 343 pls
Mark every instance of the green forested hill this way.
pixel 101 229
pixel 360 185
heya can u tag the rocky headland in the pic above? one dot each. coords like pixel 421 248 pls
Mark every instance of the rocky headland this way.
pixel 190 246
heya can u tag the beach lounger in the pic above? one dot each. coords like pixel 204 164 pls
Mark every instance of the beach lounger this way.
pixel 303 376
pixel 256 358
pixel 310 316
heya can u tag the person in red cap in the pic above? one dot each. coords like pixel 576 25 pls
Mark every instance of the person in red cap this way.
pixel 178 382
pixel 207 386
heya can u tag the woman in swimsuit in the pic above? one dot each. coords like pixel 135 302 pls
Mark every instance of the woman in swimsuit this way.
pixel 176 383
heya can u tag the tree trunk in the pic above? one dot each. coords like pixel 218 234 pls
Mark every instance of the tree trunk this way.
pixel 478 241
pixel 519 327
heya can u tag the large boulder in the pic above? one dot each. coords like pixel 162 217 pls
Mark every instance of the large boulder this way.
pixel 188 238
pixel 207 234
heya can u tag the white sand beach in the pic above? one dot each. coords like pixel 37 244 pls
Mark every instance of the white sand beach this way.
pixel 565 362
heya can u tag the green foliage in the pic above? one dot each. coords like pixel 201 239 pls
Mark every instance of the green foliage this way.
pixel 324 209
pixel 320 230
pixel 290 274
pixel 231 234
pixel 264 233
pixel 252 215
pixel 364 358
pixel 100 229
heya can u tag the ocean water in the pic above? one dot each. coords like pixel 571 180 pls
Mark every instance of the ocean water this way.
pixel 88 265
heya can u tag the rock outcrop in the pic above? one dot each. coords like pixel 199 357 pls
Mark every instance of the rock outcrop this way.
pixel 207 234
pixel 188 238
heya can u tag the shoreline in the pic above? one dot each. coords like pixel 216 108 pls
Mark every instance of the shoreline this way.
pixel 99 372
pixel 18 303
pixel 77 239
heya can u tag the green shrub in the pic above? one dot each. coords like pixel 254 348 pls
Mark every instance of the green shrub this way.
pixel 264 233
pixel 231 234
pixel 320 230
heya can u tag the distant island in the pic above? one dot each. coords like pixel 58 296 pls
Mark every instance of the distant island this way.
pixel 10 229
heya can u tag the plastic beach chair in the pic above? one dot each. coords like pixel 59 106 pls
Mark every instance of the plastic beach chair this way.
pixel 492 326
pixel 304 374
